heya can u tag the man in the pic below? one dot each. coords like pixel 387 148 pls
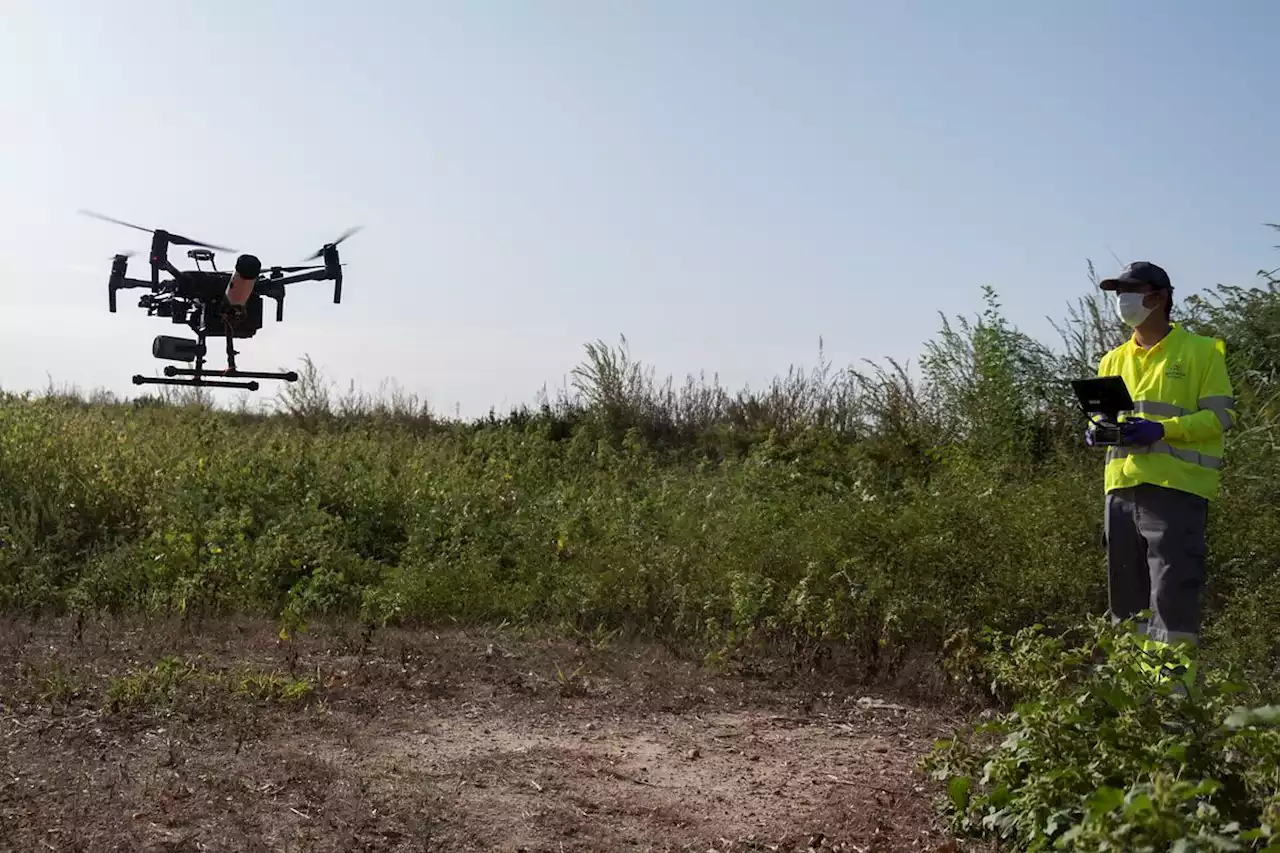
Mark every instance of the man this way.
pixel 1164 473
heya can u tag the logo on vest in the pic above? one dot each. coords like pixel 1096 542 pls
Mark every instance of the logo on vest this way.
pixel 1175 370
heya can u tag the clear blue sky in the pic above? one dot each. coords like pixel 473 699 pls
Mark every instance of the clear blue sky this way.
pixel 722 182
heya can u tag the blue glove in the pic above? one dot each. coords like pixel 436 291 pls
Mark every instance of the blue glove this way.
pixel 1090 436
pixel 1141 432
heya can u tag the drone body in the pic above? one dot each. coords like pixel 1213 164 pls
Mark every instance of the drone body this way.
pixel 214 304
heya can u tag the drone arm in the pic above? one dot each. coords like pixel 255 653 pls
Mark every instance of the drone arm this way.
pixel 122 283
pixel 273 290
pixel 332 271
pixel 314 275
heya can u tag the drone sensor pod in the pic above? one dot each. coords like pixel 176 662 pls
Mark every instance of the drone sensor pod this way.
pixel 176 349
pixel 240 288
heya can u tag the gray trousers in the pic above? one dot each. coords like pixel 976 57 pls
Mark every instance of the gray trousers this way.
pixel 1156 559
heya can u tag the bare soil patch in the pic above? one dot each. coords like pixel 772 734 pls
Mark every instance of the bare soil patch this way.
pixel 436 740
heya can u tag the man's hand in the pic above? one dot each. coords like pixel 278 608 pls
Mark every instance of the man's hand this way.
pixel 1141 432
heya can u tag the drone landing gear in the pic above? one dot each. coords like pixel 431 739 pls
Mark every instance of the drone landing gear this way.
pixel 200 378
pixel 194 382
pixel 180 349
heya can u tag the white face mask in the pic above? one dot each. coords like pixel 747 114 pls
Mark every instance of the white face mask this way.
pixel 1131 309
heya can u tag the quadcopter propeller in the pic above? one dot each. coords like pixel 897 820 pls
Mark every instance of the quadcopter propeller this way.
pixel 176 239
pixel 348 233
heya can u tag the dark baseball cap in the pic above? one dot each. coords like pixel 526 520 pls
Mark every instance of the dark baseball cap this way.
pixel 1139 272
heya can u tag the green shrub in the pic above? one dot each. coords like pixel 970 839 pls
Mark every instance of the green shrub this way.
pixel 1101 752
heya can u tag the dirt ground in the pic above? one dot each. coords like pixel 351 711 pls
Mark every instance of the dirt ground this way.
pixel 436 740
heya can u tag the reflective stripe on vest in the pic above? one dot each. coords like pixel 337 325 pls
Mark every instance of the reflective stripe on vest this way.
pixel 1160 410
pixel 1224 407
pixel 1194 457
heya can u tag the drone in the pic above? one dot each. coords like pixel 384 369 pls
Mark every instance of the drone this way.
pixel 213 304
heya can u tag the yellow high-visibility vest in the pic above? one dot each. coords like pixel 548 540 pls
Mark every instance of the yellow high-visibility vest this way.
pixel 1181 382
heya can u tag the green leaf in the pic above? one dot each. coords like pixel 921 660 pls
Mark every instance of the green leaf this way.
pixel 1267 715
pixel 1113 696
pixel 958 790
pixel 1002 820
pixel 1140 803
pixel 1206 788
pixel 1105 799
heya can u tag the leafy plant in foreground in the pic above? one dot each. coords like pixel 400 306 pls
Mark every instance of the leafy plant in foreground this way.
pixel 1102 752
